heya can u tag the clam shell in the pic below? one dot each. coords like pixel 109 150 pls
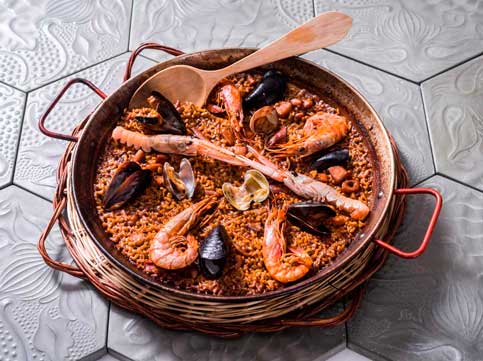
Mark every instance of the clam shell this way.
pixel 255 188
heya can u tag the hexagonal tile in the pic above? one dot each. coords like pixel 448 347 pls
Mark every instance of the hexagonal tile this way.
pixel 415 39
pixel 430 308
pixel 190 25
pixel 399 104
pixel 38 155
pixel 454 106
pixel 11 103
pixel 44 314
pixel 139 339
pixel 44 40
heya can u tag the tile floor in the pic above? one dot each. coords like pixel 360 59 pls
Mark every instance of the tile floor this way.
pixel 419 63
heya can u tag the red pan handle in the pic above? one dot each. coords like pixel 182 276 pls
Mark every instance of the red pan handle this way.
pixel 140 48
pixel 429 230
pixel 44 116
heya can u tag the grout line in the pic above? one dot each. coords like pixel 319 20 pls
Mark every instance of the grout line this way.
pixel 371 66
pixel 458 181
pixel 13 86
pixel 313 9
pixel 31 192
pixel 452 67
pixel 426 121
pixel 346 333
pixel 370 352
pixel 76 72
pixel 417 184
pixel 130 26
pixel 107 326
pixel 17 148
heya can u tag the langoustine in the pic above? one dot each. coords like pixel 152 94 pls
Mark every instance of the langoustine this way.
pixel 300 184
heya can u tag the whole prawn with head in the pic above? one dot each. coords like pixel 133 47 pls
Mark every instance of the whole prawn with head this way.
pixel 283 266
pixel 173 247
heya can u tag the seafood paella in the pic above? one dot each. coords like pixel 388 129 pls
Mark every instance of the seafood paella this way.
pixel 263 186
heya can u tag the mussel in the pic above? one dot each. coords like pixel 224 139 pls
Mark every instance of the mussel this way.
pixel 337 157
pixel 270 90
pixel 264 120
pixel 309 216
pixel 212 252
pixel 128 182
pixel 255 188
pixel 164 119
pixel 181 184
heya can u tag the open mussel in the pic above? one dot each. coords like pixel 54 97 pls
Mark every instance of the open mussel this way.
pixel 309 216
pixel 128 182
pixel 212 253
pixel 337 157
pixel 181 184
pixel 255 188
pixel 163 118
pixel 270 90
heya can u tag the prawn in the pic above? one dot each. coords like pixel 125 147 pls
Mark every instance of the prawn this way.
pixel 171 248
pixel 282 265
pixel 321 131
pixel 232 100
pixel 300 184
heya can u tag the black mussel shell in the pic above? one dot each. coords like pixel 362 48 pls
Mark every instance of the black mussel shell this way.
pixel 309 216
pixel 270 90
pixel 147 120
pixel 337 157
pixel 213 252
pixel 172 122
pixel 128 182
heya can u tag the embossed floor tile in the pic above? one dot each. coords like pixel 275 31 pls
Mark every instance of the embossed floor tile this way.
pixel 44 40
pixel 399 104
pixel 11 103
pixel 454 106
pixel 348 355
pixel 197 25
pixel 430 308
pixel 38 155
pixel 44 314
pixel 108 357
pixel 415 39
pixel 141 340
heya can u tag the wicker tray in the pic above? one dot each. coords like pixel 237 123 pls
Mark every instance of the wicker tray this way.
pixel 224 319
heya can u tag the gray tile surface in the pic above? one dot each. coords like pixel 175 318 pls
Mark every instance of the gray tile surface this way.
pixel 414 38
pixel 38 155
pixel 11 103
pixel 430 308
pixel 44 314
pixel 141 340
pixel 43 40
pixel 397 101
pixel 454 105
pixel 426 309
pixel 196 25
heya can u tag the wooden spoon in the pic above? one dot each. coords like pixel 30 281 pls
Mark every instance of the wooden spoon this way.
pixel 186 83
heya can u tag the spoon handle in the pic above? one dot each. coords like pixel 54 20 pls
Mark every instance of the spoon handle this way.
pixel 323 30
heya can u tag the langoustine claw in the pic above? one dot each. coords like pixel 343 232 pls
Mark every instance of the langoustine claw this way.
pixel 300 184
pixel 171 247
pixel 320 131
pixel 283 266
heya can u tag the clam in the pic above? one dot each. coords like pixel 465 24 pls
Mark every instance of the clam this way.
pixel 337 157
pixel 168 119
pixel 309 216
pixel 181 184
pixel 128 182
pixel 255 188
pixel 212 252
pixel 264 120
pixel 268 91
